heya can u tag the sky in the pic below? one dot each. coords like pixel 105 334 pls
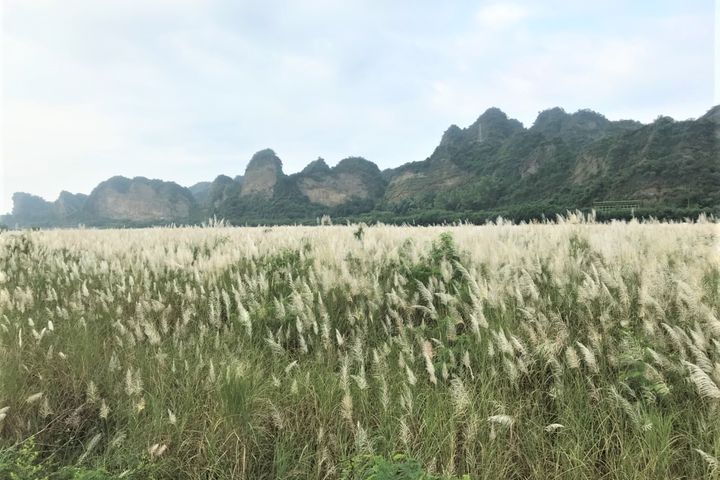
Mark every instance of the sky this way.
pixel 185 90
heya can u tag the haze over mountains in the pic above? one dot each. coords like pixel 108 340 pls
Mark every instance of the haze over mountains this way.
pixel 563 161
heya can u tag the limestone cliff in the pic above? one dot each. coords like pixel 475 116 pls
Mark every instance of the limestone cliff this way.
pixel 353 178
pixel 140 200
pixel 262 175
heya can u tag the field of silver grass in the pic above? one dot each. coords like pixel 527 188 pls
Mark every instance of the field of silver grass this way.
pixel 565 350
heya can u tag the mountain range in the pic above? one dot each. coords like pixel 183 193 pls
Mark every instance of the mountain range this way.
pixel 494 166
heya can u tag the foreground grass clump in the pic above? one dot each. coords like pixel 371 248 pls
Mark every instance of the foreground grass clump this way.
pixel 566 350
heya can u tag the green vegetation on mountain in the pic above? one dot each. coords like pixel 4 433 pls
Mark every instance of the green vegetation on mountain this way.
pixel 493 167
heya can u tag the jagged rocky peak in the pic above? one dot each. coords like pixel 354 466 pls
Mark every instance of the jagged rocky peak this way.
pixel 356 165
pixel 200 191
pixel 316 167
pixel 555 122
pixel 219 187
pixel 222 180
pixel 69 203
pixel 262 174
pixel 494 124
pixel 550 121
pixel 578 129
pixel 140 200
pixel 353 178
pixel 713 114
pixel 222 188
pixel 452 135
pixel 30 206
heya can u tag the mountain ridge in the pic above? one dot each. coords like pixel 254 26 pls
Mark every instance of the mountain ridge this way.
pixel 562 161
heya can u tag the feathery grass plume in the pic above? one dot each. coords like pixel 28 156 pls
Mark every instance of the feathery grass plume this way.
pixel 89 447
pixel 140 405
pixel 659 387
pixel 502 342
pixel 91 392
pixel 427 352
pixel 657 358
pixel 459 396
pixel 701 359
pixel 571 358
pixel 275 347
pixel 104 410
pixel 406 398
pixel 346 407
pixel 362 444
pixel 157 450
pixel 360 379
pixel 698 338
pixel 290 366
pixel 467 363
pixel 510 370
pixel 553 427
pixel 244 319
pixel 344 372
pixel 712 323
pixel 45 410
pixel 674 338
pixel 302 343
pixel 705 385
pixel 588 357
pixel 34 397
pixel 712 462
pixel 629 409
pixel 384 393
pixel 428 296
pixel 405 433
pixel 358 348
pixel 502 420
pixel 412 380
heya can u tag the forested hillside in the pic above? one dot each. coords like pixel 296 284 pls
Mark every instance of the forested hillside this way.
pixel 493 167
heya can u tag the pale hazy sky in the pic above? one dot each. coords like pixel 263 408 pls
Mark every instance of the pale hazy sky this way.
pixel 184 90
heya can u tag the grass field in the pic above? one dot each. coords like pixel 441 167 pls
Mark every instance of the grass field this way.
pixel 571 350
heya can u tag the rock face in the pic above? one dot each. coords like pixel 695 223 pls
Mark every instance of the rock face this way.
pixel 200 191
pixel 70 204
pixel 31 207
pixel 578 129
pixel 352 179
pixel 451 164
pixel 140 200
pixel 262 175
pixel 564 159
pixel 34 211
pixel 222 189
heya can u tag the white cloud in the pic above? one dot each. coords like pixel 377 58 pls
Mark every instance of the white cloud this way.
pixel 185 90
pixel 501 15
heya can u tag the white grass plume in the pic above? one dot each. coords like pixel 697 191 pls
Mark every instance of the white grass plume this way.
pixel 705 385
pixel 712 462
pixel 502 420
